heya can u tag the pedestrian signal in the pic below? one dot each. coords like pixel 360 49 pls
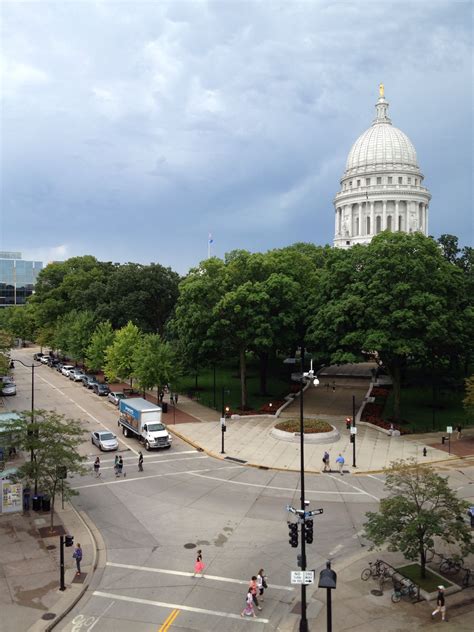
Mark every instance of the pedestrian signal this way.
pixel 69 540
pixel 352 439
pixel 293 532
pixel 308 531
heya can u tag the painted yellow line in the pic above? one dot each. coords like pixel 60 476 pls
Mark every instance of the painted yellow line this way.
pixel 169 620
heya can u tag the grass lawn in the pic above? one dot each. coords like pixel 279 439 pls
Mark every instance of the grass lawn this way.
pixel 417 409
pixel 228 378
pixel 430 583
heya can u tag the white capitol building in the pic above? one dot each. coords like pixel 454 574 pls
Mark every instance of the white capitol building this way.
pixel 382 186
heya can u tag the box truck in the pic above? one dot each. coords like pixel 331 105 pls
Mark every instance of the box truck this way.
pixel 142 419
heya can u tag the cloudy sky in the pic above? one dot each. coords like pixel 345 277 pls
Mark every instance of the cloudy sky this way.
pixel 132 130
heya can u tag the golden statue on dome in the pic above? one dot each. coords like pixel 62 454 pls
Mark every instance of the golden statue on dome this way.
pixel 382 90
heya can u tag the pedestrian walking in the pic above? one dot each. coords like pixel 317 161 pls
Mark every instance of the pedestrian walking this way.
pixel 248 610
pixel 458 431
pixel 261 583
pixel 120 466
pixel 77 555
pixel 254 590
pixel 97 467
pixel 26 498
pixel 140 462
pixel 176 398
pixel 199 565
pixel 116 462
pixel 327 467
pixel 340 463
pixel 440 605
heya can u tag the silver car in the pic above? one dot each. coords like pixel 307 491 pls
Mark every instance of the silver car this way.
pixel 76 375
pixel 66 369
pixel 115 397
pixel 104 440
pixel 9 388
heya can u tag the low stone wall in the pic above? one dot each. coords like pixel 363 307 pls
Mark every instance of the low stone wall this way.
pixel 309 437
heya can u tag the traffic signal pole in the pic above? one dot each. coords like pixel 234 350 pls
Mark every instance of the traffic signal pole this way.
pixel 62 585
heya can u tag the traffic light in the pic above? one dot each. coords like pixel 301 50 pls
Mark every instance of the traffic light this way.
pixel 308 531
pixel 352 439
pixel 293 527
pixel 69 540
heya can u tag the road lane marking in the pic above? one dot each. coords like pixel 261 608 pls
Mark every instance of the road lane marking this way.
pixel 168 621
pixel 162 604
pixel 165 571
pixel 281 489
pixel 379 480
pixel 101 615
pixel 362 491
pixel 335 550
pixel 141 478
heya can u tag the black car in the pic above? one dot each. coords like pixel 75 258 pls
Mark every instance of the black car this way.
pixel 101 389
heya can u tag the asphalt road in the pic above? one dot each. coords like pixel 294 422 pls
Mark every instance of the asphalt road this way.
pixel 153 523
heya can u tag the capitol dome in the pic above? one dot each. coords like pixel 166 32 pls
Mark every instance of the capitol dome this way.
pixel 382 186
pixel 382 146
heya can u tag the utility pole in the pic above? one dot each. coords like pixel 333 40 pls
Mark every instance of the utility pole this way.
pixel 354 433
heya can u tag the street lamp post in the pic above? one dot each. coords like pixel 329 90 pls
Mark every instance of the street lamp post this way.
pixel 328 580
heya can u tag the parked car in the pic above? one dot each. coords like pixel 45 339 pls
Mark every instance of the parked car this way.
pixel 66 369
pixel 89 381
pixel 104 440
pixel 9 388
pixel 115 397
pixel 53 363
pixel 76 375
pixel 38 356
pixel 6 378
pixel 59 366
pixel 100 389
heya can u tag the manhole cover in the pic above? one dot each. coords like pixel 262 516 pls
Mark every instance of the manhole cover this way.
pixel 50 547
pixel 189 545
pixel 48 616
pixel 376 593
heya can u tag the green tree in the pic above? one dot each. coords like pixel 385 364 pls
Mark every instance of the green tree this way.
pixel 102 337
pixel 397 297
pixel 19 322
pixel 53 440
pixel 154 363
pixel 420 509
pixel 468 400
pixel 120 354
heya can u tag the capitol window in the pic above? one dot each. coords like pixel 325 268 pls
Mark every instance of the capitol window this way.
pixel 350 183
pixel 367 181
pixel 409 180
pixel 390 179
pixel 400 180
pixel 379 180
pixel 358 183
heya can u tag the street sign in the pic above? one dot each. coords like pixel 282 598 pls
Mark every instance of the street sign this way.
pixel 353 429
pixel 449 429
pixel 222 421
pixel 302 577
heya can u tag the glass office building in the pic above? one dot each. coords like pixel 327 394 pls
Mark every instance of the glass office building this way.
pixel 17 278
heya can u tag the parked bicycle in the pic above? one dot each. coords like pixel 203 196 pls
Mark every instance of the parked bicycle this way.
pixel 451 565
pixel 405 588
pixel 376 569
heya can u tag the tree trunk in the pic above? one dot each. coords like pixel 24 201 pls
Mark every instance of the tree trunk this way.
pixel 263 372
pixel 396 377
pixel 243 380
pixel 422 561
pixel 196 380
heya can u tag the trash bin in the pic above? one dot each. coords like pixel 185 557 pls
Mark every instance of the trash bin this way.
pixel 46 503
pixel 37 502
pixel 443 440
pixel 164 407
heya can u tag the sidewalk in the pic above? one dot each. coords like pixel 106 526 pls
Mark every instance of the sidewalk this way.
pixel 29 567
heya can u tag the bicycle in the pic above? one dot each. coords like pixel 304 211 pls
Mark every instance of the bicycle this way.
pixel 375 570
pixel 406 588
pixel 451 566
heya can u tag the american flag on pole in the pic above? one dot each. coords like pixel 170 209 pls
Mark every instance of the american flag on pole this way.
pixel 210 240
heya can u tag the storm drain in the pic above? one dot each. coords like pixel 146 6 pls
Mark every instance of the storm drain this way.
pixel 48 616
pixel 233 458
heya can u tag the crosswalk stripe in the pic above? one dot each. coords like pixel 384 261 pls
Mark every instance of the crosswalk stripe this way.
pixel 162 604
pixel 165 571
